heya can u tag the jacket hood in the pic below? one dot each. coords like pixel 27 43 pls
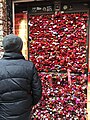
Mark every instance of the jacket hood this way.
pixel 12 43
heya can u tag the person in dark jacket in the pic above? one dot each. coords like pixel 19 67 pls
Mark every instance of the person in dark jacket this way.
pixel 20 86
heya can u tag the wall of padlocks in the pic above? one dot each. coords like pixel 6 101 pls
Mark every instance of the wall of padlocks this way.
pixel 58 44
pixel 1 26
pixel 3 23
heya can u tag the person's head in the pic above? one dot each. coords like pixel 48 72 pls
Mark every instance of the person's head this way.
pixel 12 43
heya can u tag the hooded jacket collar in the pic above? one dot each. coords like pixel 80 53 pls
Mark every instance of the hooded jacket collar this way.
pixel 12 55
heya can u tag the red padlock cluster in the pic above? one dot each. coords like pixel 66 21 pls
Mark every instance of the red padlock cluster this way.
pixel 62 100
pixel 58 42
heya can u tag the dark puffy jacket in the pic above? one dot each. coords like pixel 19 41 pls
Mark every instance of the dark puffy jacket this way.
pixel 20 87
